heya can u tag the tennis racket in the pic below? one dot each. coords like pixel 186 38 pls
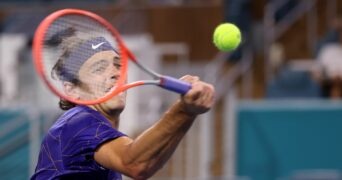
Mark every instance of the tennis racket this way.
pixel 82 58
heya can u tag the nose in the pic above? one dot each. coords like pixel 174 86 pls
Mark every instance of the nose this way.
pixel 113 71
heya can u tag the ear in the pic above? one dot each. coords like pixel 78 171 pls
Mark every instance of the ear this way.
pixel 71 90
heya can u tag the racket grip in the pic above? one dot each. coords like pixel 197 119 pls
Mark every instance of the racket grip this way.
pixel 174 85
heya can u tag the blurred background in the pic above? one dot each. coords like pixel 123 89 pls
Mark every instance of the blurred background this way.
pixel 278 107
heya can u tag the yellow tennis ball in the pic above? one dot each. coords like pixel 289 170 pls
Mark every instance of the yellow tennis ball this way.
pixel 227 37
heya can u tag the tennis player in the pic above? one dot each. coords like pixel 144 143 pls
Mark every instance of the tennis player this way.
pixel 84 143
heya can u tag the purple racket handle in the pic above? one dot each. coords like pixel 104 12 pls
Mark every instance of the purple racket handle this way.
pixel 174 85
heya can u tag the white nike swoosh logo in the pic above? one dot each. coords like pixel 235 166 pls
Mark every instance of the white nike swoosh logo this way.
pixel 97 45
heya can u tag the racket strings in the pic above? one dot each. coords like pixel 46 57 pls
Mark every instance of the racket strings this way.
pixel 80 57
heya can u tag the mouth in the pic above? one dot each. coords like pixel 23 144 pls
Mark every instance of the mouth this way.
pixel 109 89
pixel 113 80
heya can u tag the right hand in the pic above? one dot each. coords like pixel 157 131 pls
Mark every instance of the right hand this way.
pixel 200 98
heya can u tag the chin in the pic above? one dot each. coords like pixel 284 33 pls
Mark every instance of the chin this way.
pixel 115 104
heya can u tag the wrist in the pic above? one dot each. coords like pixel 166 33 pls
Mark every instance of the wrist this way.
pixel 181 108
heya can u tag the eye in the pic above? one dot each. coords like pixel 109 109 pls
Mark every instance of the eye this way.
pixel 116 62
pixel 99 67
pixel 117 65
pixel 98 70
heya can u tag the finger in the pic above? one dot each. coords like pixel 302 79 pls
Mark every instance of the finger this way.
pixel 210 100
pixel 200 98
pixel 199 92
pixel 207 96
pixel 193 95
pixel 190 79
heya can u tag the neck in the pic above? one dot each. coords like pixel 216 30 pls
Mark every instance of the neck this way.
pixel 113 118
pixel 112 115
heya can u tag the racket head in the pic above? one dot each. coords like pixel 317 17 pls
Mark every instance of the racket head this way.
pixel 71 48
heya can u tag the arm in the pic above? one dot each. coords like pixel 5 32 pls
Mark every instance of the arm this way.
pixel 142 157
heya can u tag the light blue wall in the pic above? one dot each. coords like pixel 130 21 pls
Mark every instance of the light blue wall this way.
pixel 279 138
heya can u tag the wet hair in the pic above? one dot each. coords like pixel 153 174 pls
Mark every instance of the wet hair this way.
pixel 64 40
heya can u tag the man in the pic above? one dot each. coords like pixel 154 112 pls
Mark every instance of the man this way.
pixel 84 142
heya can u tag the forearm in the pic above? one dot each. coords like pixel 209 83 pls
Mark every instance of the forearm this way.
pixel 142 157
pixel 154 147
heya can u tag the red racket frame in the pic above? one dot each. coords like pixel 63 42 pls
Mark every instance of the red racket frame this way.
pixel 125 54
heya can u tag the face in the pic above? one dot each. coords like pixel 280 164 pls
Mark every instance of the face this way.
pixel 98 75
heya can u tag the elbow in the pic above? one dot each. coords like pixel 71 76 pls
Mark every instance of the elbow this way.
pixel 141 175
